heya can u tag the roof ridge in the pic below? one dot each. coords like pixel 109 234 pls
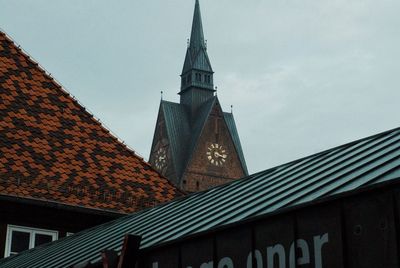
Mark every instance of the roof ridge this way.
pixel 336 147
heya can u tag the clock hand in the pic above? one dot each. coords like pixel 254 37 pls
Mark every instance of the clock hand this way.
pixel 219 155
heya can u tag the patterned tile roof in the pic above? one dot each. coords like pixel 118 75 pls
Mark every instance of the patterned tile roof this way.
pixel 52 149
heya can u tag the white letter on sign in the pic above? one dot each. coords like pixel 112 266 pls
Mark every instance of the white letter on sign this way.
pixel 305 253
pixel 258 258
pixel 277 249
pixel 225 263
pixel 155 265
pixel 319 241
pixel 207 265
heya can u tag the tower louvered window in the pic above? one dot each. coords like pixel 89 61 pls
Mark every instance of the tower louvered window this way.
pixel 198 77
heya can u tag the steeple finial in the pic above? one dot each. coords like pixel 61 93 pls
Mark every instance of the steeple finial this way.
pixel 197 35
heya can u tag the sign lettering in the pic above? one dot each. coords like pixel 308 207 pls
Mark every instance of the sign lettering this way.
pixel 276 255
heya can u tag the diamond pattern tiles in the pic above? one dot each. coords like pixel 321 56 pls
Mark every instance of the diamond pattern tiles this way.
pixel 52 149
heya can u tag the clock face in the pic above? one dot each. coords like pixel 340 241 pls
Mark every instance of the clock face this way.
pixel 216 154
pixel 160 158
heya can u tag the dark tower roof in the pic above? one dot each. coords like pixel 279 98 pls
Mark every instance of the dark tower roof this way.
pixel 196 55
pixel 197 36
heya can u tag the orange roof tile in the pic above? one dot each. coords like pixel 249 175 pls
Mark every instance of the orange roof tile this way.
pixel 52 149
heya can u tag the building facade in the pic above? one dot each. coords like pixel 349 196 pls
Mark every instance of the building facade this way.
pixel 196 144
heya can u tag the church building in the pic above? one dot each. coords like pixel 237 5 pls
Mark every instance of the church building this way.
pixel 196 145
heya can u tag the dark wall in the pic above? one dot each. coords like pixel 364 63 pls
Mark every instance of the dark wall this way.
pixel 351 232
pixel 61 219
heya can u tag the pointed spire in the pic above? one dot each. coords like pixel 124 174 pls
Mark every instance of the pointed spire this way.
pixel 197 73
pixel 197 35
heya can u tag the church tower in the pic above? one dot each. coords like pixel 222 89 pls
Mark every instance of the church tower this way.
pixel 197 75
pixel 196 145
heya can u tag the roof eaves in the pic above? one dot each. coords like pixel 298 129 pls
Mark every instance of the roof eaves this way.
pixel 59 205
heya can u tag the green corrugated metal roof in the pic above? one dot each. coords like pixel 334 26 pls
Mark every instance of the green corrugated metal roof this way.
pixel 348 167
pixel 178 130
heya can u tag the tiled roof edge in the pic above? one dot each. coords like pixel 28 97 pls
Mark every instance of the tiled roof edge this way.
pixel 69 94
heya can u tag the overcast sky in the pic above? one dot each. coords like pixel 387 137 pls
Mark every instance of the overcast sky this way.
pixel 303 75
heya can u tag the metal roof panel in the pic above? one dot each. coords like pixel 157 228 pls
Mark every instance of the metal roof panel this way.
pixel 351 166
